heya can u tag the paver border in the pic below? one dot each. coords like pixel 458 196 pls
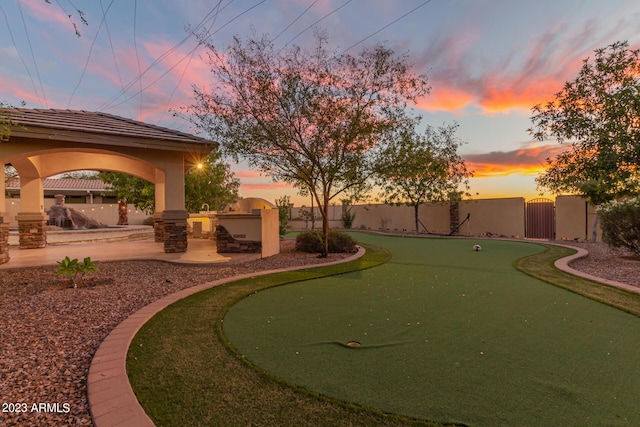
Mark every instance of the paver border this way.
pixel 111 399
pixel 563 264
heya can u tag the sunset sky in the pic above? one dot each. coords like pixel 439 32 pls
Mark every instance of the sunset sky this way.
pixel 488 62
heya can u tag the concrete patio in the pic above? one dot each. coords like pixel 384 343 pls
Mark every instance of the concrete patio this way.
pixel 115 244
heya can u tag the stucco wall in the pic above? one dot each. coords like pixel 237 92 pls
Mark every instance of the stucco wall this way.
pixel 242 226
pixel 106 213
pixel 575 218
pixel 401 218
pixel 503 217
pixel 208 221
pixel 261 227
pixel 381 216
pixel 270 232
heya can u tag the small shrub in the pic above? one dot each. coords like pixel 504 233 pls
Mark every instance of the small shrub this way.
pixel 340 242
pixel 72 268
pixel 347 219
pixel 384 223
pixel 620 223
pixel 311 241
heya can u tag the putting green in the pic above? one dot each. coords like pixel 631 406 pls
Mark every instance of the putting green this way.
pixel 450 335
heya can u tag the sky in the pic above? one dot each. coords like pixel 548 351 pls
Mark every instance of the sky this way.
pixel 488 62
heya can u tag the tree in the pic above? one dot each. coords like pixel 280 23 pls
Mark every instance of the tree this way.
pixel 213 184
pixel 621 224
pixel 599 112
pixel 136 190
pixel 283 213
pixel 7 120
pixel 309 118
pixel 81 174
pixel 5 125
pixel 423 168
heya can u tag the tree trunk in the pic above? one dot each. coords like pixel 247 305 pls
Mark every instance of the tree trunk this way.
pixel 325 228
pixel 313 215
pixel 415 212
pixel 594 230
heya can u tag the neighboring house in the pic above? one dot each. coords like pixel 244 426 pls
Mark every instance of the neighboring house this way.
pixel 89 191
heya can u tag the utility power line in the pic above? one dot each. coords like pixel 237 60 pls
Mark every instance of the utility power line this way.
pixel 110 103
pixel 386 26
pixel 33 57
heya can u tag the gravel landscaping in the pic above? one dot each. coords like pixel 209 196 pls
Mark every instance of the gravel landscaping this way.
pixel 49 332
pixel 612 264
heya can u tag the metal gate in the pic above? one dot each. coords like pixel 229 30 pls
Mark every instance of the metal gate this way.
pixel 540 219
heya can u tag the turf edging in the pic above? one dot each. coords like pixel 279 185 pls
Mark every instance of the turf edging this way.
pixel 229 391
pixel 542 266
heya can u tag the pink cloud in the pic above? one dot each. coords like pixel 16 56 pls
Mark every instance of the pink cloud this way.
pixel 265 186
pixel 249 174
pixel 182 63
pixel 460 77
pixel 49 13
pixel 168 73
pixel 526 161
pixel 15 91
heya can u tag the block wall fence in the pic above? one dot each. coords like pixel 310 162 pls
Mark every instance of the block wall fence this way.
pixel 504 217
pixel 493 217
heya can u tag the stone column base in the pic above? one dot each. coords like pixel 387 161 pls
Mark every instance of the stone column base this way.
pixel 158 228
pixel 4 238
pixel 31 229
pixel 226 244
pixel 175 231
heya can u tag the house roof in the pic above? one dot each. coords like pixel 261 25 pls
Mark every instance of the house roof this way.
pixel 61 184
pixel 97 127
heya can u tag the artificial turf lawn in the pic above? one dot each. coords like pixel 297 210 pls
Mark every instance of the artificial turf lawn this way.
pixel 451 335
pixel 183 373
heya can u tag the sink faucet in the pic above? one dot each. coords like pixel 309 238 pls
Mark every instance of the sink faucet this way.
pixel 205 204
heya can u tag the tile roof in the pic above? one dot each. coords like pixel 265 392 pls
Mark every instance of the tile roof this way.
pixel 96 123
pixel 66 184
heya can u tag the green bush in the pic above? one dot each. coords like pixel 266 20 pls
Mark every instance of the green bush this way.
pixel 341 242
pixel 72 268
pixel 283 214
pixel 620 223
pixel 347 219
pixel 311 241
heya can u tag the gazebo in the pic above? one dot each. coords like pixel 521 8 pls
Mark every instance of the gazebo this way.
pixel 43 143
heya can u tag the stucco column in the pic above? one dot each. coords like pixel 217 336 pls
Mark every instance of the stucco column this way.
pixel 174 216
pixel 31 219
pixel 158 224
pixel 174 186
